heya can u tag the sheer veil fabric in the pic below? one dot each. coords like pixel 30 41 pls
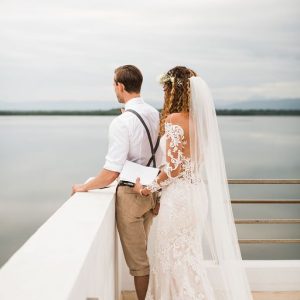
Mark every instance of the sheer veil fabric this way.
pixel 221 257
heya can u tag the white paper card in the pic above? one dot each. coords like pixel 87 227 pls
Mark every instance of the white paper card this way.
pixel 133 170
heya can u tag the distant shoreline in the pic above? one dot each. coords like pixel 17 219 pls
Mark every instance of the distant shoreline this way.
pixel 116 111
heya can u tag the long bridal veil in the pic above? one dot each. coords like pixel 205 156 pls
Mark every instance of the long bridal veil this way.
pixel 220 258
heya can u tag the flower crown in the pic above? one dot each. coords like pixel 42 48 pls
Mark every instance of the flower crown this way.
pixel 163 78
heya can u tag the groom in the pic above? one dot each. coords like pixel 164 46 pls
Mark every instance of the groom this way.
pixel 128 141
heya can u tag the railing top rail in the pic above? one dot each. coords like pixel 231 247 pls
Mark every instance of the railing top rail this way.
pixel 269 241
pixel 264 181
pixel 265 201
pixel 267 221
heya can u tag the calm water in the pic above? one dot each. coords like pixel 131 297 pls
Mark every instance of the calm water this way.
pixel 42 156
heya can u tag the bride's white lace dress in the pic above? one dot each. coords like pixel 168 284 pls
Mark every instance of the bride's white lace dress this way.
pixel 176 270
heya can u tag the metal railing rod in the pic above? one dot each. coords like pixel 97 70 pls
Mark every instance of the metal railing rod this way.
pixel 265 201
pixel 264 181
pixel 267 221
pixel 269 241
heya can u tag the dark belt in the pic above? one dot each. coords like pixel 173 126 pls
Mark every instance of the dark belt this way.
pixel 126 183
pixel 129 183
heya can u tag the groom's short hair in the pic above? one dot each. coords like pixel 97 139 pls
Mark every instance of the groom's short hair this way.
pixel 131 77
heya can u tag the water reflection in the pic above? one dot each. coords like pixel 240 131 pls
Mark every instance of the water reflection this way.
pixel 41 157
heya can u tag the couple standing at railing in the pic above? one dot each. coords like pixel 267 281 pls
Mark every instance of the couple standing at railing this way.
pixel 196 250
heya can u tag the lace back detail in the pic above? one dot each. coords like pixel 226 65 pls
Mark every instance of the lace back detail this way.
pixel 178 166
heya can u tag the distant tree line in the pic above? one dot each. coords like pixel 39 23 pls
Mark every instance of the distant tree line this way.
pixel 117 111
pixel 110 112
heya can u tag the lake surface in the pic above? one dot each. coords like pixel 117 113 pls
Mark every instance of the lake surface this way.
pixel 41 157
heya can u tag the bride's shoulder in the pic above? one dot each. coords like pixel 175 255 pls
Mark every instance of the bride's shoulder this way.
pixel 181 119
pixel 174 125
pixel 178 117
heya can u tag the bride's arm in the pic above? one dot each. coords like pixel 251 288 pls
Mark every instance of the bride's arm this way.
pixel 174 137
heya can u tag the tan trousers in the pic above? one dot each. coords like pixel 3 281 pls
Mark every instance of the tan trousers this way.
pixel 134 218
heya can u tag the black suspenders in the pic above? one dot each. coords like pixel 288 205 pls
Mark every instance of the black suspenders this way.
pixel 153 149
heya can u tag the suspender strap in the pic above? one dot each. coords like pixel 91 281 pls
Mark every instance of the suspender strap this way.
pixel 153 149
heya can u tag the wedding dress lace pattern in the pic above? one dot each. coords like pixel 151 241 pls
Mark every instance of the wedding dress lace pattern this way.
pixel 177 270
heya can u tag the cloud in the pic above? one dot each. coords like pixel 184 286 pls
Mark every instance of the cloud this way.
pixel 67 50
pixel 268 91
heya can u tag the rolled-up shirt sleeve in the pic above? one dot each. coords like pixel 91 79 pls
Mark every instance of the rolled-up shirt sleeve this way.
pixel 118 146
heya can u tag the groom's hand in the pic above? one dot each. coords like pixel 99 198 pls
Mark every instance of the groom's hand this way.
pixel 78 188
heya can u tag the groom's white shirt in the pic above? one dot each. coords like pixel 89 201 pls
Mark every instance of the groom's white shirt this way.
pixel 128 139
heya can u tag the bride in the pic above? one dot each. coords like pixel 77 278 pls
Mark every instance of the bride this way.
pixel 196 251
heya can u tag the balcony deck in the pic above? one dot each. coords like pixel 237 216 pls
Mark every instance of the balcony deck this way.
pixel 130 295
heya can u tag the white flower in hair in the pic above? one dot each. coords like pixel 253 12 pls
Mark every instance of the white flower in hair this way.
pixel 179 82
pixel 163 78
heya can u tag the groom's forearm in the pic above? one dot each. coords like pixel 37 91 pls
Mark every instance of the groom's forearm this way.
pixel 103 179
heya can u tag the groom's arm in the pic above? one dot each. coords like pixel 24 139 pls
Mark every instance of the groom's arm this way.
pixel 118 147
pixel 103 179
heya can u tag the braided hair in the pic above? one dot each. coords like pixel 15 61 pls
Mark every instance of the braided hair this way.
pixel 176 93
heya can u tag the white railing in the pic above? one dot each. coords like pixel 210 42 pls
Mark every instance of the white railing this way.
pixel 76 255
pixel 73 255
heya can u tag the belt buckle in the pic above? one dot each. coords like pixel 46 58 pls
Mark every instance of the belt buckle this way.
pixel 126 183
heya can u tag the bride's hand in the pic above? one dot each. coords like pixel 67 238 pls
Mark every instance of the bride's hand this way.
pixel 138 188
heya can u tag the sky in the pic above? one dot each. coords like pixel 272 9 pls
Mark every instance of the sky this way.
pixel 67 50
